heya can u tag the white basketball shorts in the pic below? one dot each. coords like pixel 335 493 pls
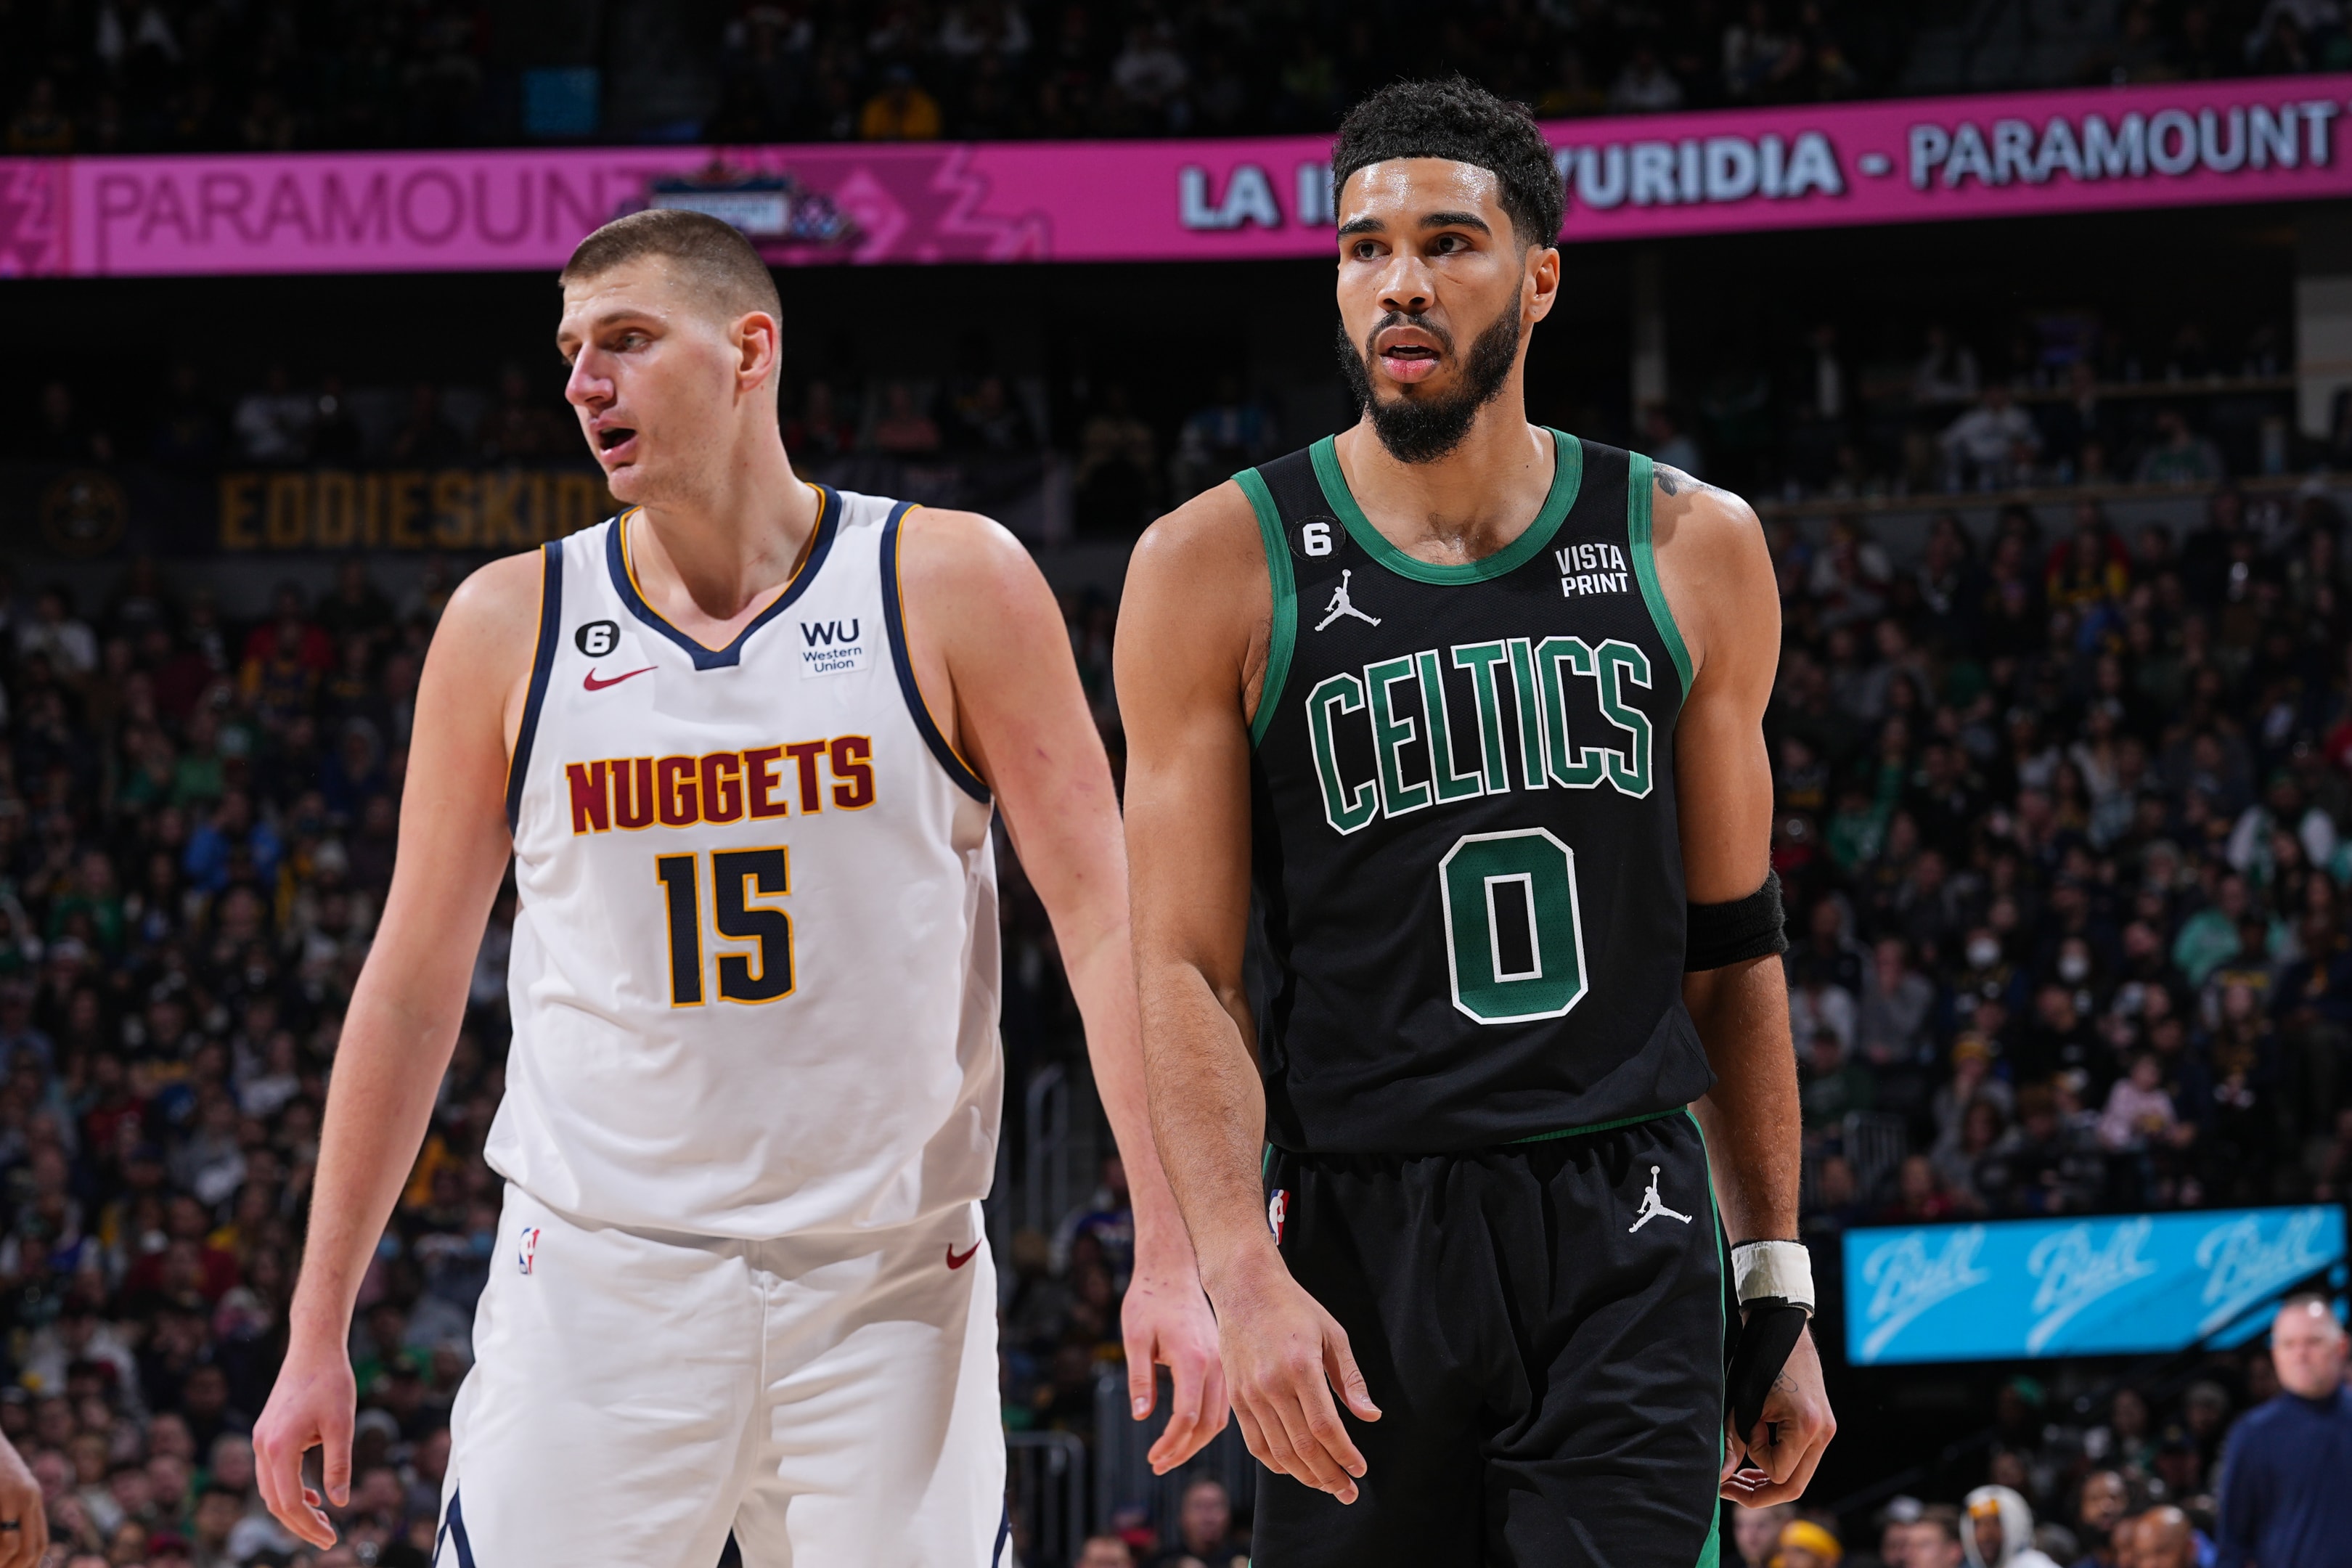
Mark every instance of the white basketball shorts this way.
pixel 636 1396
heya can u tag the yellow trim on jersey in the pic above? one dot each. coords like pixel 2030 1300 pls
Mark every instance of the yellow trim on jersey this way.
pixel 808 553
pixel 899 587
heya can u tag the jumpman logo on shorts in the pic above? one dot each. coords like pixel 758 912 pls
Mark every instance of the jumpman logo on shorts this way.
pixel 1340 606
pixel 1652 1208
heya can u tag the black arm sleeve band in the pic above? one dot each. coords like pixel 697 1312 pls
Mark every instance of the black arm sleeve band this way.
pixel 1765 1341
pixel 1718 934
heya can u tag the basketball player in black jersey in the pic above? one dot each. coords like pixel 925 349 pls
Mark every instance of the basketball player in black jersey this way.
pixel 1474 709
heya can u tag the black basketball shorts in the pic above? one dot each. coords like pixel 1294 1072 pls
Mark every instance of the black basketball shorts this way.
pixel 1542 1328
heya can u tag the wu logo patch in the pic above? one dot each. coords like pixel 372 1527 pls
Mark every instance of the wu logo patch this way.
pixel 1342 606
pixel 527 1249
pixel 833 648
pixel 1653 1207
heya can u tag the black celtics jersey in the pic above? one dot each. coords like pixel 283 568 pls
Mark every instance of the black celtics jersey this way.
pixel 1469 881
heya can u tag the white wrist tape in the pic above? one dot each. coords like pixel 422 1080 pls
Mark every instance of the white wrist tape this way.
pixel 1774 1271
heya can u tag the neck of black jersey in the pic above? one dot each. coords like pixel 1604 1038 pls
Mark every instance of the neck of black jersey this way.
pixel 1567 479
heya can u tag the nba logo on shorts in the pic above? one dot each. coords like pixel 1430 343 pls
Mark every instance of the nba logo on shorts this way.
pixel 526 1248
pixel 1278 1209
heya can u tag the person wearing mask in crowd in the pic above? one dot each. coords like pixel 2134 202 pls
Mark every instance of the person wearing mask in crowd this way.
pixel 2001 1532
pixel 2285 1501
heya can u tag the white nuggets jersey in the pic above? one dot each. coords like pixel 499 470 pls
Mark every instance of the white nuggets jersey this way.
pixel 754 972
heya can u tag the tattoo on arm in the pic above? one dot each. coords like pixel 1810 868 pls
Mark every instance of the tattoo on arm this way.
pixel 1674 481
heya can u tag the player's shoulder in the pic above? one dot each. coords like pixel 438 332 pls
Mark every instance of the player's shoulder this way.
pixel 967 562
pixel 1701 518
pixel 1717 570
pixel 1211 542
pixel 500 596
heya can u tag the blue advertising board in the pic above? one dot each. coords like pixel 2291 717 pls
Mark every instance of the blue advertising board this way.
pixel 2124 1284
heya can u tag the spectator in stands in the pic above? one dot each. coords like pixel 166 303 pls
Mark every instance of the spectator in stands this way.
pixel 1664 441
pixel 2001 1530
pixel 1991 445
pixel 1946 372
pixel 53 632
pixel 903 429
pixel 2283 1498
pixel 2180 456
pixel 273 425
pixel 1756 1531
pixel 1105 1552
pixel 1807 1544
pixel 2164 1537
pixel 901 111
pixel 1204 1529
pixel 425 436
pixel 2104 1498
pixel 1644 85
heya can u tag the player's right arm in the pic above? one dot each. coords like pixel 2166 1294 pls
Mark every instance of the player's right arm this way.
pixel 1193 636
pixel 402 1021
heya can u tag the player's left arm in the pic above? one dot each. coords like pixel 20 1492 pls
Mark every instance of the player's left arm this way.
pixel 993 658
pixel 1718 574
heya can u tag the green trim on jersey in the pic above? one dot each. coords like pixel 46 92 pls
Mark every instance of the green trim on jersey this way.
pixel 1284 633
pixel 1597 1127
pixel 1566 476
pixel 1711 1555
pixel 1639 479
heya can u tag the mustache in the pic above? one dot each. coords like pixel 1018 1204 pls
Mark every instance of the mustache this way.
pixel 1401 319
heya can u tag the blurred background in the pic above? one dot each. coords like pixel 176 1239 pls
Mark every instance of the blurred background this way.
pixel 2050 434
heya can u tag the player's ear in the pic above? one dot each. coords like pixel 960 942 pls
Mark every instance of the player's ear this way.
pixel 759 348
pixel 1542 280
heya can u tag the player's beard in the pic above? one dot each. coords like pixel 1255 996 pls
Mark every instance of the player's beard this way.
pixel 1421 429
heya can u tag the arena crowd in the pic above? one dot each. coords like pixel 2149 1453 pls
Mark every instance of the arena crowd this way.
pixel 109 76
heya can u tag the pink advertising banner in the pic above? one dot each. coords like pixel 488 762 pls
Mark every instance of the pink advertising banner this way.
pixel 2184 144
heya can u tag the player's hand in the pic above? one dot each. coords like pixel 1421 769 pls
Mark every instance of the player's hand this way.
pixel 1165 1321
pixel 24 1512
pixel 312 1406
pixel 1284 1356
pixel 1775 1462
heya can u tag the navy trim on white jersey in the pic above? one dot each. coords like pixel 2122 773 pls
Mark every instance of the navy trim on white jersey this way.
pixel 828 523
pixel 542 662
pixel 893 618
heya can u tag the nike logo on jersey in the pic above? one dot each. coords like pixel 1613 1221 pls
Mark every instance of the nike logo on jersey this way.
pixel 955 1262
pixel 590 683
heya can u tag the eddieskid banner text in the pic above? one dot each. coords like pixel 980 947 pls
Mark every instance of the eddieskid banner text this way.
pixel 2180 144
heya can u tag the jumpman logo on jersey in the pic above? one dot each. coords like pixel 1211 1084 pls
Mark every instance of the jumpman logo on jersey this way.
pixel 1652 1208
pixel 1340 606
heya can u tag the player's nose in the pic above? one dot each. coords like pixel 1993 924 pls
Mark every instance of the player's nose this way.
pixel 587 386
pixel 1405 285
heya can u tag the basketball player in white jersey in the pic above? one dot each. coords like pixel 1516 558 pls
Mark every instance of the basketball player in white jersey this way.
pixel 743 743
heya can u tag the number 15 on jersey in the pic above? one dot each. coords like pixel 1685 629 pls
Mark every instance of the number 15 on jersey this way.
pixel 738 879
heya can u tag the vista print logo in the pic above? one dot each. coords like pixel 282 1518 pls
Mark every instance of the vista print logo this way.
pixel 1905 1282
pixel 2075 1272
pixel 2241 1266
